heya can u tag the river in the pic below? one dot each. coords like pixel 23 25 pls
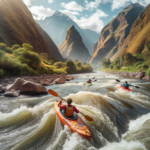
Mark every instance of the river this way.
pixel 30 123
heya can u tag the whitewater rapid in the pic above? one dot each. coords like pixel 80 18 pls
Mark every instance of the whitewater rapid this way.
pixel 30 123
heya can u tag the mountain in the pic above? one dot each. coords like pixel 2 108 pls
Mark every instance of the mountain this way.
pixel 17 26
pixel 56 26
pixel 93 35
pixel 73 47
pixel 114 33
pixel 53 48
pixel 139 33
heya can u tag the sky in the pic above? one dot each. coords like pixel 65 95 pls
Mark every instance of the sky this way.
pixel 88 14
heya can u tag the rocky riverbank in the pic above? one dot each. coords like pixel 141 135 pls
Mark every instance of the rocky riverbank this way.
pixel 13 86
pixel 136 75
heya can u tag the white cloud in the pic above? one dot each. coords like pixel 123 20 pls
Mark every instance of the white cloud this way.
pixel 50 1
pixel 27 2
pixel 39 12
pixel 71 14
pixel 93 22
pixel 123 3
pixel 92 5
pixel 72 6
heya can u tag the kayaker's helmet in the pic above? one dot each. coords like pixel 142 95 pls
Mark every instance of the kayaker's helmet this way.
pixel 126 82
pixel 69 101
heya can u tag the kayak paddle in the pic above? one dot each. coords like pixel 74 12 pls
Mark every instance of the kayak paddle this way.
pixel 55 94
pixel 121 82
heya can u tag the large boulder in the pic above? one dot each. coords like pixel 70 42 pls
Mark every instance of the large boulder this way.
pixel 17 84
pixel 141 74
pixel 59 81
pixel 33 88
pixel 12 93
pixel 46 82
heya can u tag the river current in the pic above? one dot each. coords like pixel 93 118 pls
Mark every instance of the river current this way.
pixel 121 118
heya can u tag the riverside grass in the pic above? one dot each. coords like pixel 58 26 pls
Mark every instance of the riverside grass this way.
pixel 23 61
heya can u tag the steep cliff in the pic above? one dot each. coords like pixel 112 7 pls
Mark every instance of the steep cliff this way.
pixel 17 26
pixel 73 47
pixel 139 33
pixel 114 34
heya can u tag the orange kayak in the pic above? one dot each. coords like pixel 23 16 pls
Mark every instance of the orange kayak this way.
pixel 121 86
pixel 76 124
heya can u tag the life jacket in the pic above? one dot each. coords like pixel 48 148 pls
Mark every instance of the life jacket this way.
pixel 69 111
pixel 89 81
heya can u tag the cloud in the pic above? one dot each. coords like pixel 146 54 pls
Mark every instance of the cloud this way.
pixel 93 22
pixel 27 2
pixel 123 3
pixel 92 5
pixel 72 6
pixel 50 1
pixel 71 14
pixel 39 12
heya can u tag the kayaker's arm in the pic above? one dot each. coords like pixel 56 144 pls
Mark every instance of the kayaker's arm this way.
pixel 59 104
pixel 75 109
pixel 131 85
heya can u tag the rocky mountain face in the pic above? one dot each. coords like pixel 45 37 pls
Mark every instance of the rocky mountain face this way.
pixel 139 33
pixel 73 46
pixel 17 26
pixel 114 33
pixel 53 48
pixel 56 26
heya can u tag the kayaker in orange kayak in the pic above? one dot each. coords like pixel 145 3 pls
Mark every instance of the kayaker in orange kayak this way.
pixel 68 109
pixel 126 85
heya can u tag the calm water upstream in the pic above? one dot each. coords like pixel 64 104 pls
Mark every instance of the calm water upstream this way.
pixel 30 123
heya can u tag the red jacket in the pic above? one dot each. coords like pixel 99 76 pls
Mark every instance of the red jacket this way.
pixel 64 107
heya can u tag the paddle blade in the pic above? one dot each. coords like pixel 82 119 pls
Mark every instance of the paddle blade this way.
pixel 88 118
pixel 136 86
pixel 53 93
pixel 117 80
pixel 93 77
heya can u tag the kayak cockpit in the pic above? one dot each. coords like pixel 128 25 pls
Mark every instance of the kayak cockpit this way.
pixel 74 116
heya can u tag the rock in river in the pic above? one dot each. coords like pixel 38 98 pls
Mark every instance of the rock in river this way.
pixel 33 88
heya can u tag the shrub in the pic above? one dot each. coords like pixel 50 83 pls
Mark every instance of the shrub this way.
pixel 147 44
pixel 118 67
pixel 8 50
pixel 129 59
pixel 16 46
pixel 31 58
pixel 70 64
pixel 76 60
pixel 106 63
pixel 146 55
pixel 59 71
pixel 145 67
pixel 52 59
pixel 3 46
pixel 2 53
pixel 1 73
pixel 59 64
pixel 47 63
pixel 11 66
pixel 148 72
pixel 27 47
pixel 78 64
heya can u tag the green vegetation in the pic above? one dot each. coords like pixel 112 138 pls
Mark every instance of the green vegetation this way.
pixel 18 61
pixel 129 62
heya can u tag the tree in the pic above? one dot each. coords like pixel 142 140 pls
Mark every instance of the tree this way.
pixel 106 63
pixel 27 47
pixel 129 59
pixel 76 60
pixel 16 46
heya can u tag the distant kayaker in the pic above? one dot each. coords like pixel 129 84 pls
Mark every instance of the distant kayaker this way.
pixel 89 81
pixel 68 109
pixel 126 85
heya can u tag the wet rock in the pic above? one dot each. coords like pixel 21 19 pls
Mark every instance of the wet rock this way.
pixel 46 82
pixel 59 81
pixel 146 78
pixel 141 74
pixel 17 84
pixel 33 88
pixel 12 93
